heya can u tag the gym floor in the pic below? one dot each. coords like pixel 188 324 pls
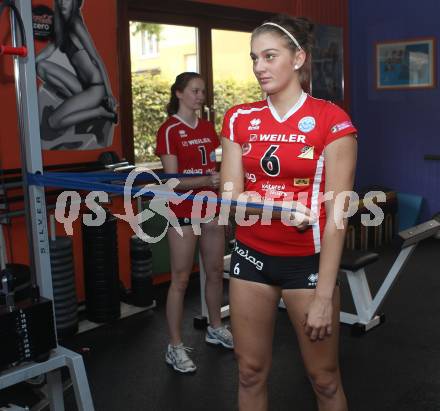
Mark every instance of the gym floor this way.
pixel 395 367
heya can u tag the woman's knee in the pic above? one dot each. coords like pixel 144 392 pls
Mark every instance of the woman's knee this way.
pixel 252 374
pixel 325 382
pixel 214 275
pixel 180 281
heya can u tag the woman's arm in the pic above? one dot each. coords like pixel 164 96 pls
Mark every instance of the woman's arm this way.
pixel 170 166
pixel 83 35
pixel 45 53
pixel 340 165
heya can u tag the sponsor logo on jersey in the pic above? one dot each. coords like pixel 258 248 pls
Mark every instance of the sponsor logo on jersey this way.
pixel 254 124
pixel 198 141
pixel 307 153
pixel 182 133
pixel 274 190
pixel 245 254
pixel 251 177
pixel 212 155
pixel 301 182
pixel 313 279
pixel 253 137
pixel 341 126
pixel 284 138
pixel 246 148
pixel 307 124
pixel 184 143
pixel 193 171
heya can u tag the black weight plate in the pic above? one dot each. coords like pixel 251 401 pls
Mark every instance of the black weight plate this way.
pixel 68 288
pixel 62 268
pixel 99 231
pixel 107 255
pixel 140 255
pixel 148 265
pixel 57 277
pixel 59 263
pixel 59 298
pixel 67 303
pixel 60 243
pixel 62 285
pixel 66 311
pixel 101 275
pixel 60 253
pixel 66 319
pixel 141 269
pixel 139 275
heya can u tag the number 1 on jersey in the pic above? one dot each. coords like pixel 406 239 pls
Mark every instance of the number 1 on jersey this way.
pixel 203 152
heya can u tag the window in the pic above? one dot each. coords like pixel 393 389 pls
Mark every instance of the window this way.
pixel 150 44
pixel 191 63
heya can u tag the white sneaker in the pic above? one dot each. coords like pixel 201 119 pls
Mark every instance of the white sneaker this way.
pixel 178 358
pixel 220 335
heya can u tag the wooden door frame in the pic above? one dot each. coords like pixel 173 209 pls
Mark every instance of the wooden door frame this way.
pixel 180 12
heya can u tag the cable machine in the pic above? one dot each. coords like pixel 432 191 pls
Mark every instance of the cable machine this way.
pixel 37 232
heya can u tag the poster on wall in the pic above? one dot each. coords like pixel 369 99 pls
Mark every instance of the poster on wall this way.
pixel 77 108
pixel 405 64
pixel 328 63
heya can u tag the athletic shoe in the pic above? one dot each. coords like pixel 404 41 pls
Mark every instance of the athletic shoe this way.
pixel 177 357
pixel 220 335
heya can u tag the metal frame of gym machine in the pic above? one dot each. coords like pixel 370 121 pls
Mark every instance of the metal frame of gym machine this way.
pixel 36 221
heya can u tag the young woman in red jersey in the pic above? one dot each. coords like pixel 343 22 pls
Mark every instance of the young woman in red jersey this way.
pixel 186 145
pixel 289 147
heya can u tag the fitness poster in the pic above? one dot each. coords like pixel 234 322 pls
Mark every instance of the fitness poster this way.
pixel 77 109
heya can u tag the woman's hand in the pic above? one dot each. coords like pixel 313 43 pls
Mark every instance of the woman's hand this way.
pixel 318 319
pixel 110 103
pixel 303 217
pixel 214 179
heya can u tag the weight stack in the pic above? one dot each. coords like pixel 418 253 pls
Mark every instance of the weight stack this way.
pixel 64 290
pixel 141 272
pixel 101 272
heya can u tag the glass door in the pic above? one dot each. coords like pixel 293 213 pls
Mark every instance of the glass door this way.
pixel 158 53
pixel 233 79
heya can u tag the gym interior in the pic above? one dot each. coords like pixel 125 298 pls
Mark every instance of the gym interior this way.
pixel 83 319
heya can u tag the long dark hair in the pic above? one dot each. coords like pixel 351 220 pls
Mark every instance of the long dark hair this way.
pixel 61 25
pixel 180 83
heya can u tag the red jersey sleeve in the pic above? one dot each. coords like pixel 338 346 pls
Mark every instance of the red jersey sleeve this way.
pixel 215 138
pixel 165 143
pixel 338 123
pixel 229 129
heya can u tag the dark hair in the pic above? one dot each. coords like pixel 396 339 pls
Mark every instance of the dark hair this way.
pixel 61 28
pixel 180 83
pixel 300 27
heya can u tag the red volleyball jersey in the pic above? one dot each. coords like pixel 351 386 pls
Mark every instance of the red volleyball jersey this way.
pixel 283 158
pixel 194 148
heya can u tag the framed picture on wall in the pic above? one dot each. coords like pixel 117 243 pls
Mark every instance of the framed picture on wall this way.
pixel 327 80
pixel 405 64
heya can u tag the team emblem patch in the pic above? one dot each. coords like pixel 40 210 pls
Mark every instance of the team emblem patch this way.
pixel 307 153
pixel 246 148
pixel 341 126
pixel 313 279
pixel 301 182
pixel 307 124
pixel 182 133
